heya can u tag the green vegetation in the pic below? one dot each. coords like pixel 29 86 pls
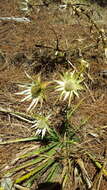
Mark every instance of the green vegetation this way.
pixel 60 152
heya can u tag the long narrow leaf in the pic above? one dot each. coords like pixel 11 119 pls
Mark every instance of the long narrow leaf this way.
pixel 35 138
pixel 40 150
pixel 34 171
pixel 36 160
pixel 64 176
pixel 25 165
pixel 71 112
pixel 52 172
pixel 40 173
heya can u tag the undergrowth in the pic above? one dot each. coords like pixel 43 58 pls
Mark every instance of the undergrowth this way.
pixel 59 155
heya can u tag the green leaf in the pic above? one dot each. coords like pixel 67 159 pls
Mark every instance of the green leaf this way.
pixel 19 140
pixel 72 111
pixel 37 160
pixel 52 172
pixel 34 171
pixel 40 173
pixel 25 165
pixel 40 150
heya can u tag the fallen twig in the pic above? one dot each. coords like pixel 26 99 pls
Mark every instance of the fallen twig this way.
pixel 17 19
pixel 18 115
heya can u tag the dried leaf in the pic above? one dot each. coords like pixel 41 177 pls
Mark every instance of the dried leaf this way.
pixel 7 184
pixel 84 173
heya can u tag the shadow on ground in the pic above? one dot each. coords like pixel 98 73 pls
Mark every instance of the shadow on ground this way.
pixel 49 186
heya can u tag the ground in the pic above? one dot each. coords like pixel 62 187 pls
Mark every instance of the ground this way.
pixel 31 47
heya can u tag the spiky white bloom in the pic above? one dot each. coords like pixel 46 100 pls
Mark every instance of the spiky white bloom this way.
pixel 69 85
pixel 41 124
pixel 34 91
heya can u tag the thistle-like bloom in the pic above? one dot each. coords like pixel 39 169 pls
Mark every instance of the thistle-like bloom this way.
pixel 69 85
pixel 41 124
pixel 34 91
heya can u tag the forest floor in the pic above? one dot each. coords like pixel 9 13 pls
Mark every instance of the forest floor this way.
pixel 32 47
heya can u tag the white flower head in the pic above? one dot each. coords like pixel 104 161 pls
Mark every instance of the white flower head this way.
pixel 41 124
pixel 34 91
pixel 69 85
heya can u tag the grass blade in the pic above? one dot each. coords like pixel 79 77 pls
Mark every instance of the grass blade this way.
pixel 40 150
pixel 52 172
pixel 35 138
pixel 97 164
pixel 34 171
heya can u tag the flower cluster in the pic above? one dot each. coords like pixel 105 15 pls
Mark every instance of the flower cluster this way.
pixel 69 86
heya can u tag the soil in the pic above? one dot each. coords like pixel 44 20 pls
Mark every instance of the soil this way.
pixel 32 47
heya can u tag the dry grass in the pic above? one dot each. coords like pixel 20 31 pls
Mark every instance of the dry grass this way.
pixel 89 122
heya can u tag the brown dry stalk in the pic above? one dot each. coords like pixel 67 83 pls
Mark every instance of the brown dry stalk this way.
pixel 80 11
pixel 98 178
